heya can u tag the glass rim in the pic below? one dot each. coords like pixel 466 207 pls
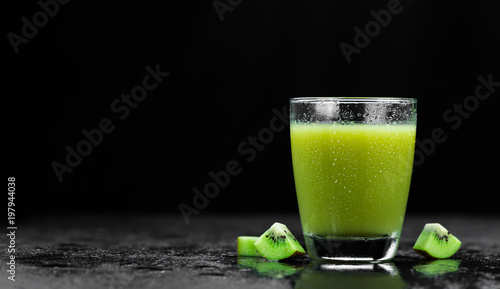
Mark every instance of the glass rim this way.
pixel 354 99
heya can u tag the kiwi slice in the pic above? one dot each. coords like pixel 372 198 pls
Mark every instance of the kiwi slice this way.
pixel 246 246
pixel 278 243
pixel 436 242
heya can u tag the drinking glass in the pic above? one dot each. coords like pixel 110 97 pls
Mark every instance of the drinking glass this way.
pixel 352 162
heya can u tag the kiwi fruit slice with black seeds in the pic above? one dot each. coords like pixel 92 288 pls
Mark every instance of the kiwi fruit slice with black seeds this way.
pixel 278 243
pixel 436 242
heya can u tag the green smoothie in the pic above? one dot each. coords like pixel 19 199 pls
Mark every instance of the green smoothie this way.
pixel 352 180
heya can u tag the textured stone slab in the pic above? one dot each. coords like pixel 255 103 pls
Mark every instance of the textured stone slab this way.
pixel 162 252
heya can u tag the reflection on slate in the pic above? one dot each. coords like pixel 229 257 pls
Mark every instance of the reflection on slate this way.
pixel 436 268
pixel 353 276
pixel 162 252
pixel 262 267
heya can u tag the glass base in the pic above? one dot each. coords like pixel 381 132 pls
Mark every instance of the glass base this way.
pixel 352 249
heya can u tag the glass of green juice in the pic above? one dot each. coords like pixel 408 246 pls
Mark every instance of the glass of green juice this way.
pixel 352 163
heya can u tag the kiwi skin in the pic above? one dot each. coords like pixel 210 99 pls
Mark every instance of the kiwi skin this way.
pixel 436 242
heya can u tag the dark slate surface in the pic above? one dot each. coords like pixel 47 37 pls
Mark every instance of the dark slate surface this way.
pixel 163 252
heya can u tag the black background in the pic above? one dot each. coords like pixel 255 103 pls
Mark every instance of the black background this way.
pixel 226 77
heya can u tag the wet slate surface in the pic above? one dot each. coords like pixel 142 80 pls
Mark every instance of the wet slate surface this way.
pixel 163 252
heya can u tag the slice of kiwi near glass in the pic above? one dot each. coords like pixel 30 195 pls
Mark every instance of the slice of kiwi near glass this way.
pixel 436 242
pixel 246 246
pixel 278 243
